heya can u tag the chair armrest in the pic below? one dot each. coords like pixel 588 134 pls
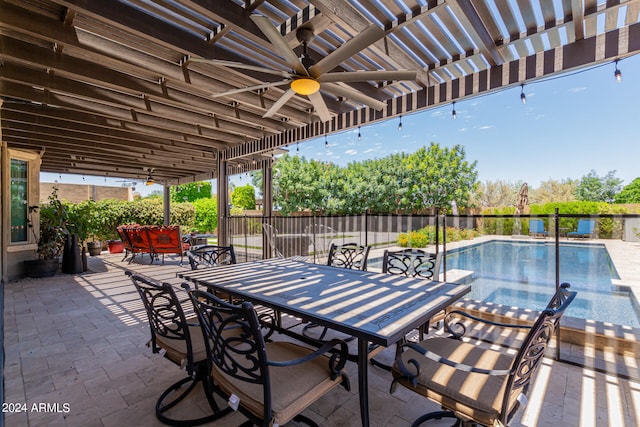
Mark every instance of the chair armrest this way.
pixel 450 327
pixel 412 376
pixel 337 360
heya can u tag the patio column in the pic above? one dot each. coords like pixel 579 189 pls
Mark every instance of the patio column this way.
pixel 267 203
pixel 223 201
pixel 167 205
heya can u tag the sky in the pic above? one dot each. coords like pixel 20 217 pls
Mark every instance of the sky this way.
pixel 570 125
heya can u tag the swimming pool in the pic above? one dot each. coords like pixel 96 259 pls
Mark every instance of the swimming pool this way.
pixel 522 274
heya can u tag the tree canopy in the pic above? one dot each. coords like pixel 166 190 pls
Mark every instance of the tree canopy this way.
pixel 430 178
pixel 630 193
pixel 190 192
pixel 244 197
pixel 593 188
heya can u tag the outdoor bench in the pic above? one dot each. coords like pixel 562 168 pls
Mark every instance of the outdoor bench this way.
pixel 152 239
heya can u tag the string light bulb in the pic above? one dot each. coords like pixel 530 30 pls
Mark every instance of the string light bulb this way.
pixel 297 148
pixel 359 134
pixel 453 111
pixel 523 97
pixel 326 143
pixel 617 73
pixel 400 123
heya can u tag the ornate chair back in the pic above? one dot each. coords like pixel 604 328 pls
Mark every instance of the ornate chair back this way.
pixel 349 255
pixel 211 256
pixel 412 263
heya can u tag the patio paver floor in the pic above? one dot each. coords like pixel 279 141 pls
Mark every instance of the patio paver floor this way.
pixel 80 340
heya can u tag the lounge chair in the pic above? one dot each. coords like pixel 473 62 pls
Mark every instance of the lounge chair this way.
pixel 536 228
pixel 585 229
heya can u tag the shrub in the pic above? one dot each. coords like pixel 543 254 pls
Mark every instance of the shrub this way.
pixel 206 214
pixel 427 235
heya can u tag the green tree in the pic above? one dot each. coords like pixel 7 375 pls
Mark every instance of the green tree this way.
pixel 244 197
pixel 495 194
pixel 206 215
pixel 437 176
pixel 299 184
pixel 554 191
pixel 190 192
pixel 593 188
pixel 630 193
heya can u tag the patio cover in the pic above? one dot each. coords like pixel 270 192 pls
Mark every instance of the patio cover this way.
pixel 109 87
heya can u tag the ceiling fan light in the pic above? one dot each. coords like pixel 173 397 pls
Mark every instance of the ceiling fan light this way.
pixel 150 180
pixel 305 86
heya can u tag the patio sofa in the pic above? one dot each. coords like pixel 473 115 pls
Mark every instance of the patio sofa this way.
pixel 152 239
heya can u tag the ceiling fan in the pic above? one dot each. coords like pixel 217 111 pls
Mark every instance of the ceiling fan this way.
pixel 308 77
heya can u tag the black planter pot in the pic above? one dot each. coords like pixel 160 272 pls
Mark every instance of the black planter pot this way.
pixel 94 248
pixel 41 267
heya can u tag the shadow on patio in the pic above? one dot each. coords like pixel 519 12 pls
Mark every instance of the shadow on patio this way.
pixel 80 340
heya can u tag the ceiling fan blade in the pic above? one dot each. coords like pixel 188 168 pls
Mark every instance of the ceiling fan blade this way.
pixel 279 43
pixel 363 76
pixel 353 94
pixel 320 106
pixel 241 66
pixel 279 103
pixel 251 88
pixel 363 40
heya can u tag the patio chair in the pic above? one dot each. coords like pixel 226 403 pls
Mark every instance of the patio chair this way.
pixel 473 383
pixel 211 256
pixel 272 233
pixel 411 263
pixel 584 230
pixel 181 342
pixel 321 237
pixel 348 255
pixel 270 382
pixel 536 228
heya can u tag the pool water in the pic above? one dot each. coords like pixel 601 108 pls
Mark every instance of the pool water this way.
pixel 522 274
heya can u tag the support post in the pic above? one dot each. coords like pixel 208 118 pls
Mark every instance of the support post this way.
pixel 167 205
pixel 223 202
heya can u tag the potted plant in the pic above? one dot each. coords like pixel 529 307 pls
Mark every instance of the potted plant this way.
pixel 51 239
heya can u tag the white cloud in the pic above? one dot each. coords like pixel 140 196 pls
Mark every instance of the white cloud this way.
pixel 485 127
pixel 370 150
pixel 351 152
pixel 577 89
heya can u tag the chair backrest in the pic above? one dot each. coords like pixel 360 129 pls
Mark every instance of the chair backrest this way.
pixel 165 239
pixel 536 226
pixel 529 357
pixel 321 236
pixel 271 233
pixel 349 255
pixel 586 226
pixel 210 256
pixel 234 343
pixel 167 320
pixel 412 263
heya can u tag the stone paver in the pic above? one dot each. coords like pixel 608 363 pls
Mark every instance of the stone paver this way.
pixel 80 341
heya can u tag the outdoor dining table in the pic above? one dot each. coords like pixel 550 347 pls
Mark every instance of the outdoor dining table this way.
pixel 375 308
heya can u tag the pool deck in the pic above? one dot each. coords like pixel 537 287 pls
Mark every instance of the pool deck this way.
pixel 80 339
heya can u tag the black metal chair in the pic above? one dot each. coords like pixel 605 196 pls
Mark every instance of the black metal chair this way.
pixel 349 255
pixel 211 256
pixel 472 383
pixel 267 381
pixel 181 342
pixel 412 263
